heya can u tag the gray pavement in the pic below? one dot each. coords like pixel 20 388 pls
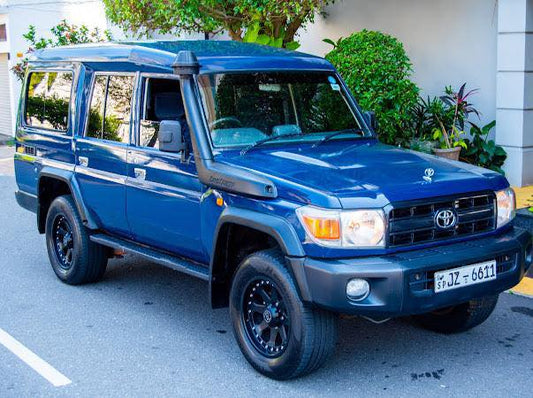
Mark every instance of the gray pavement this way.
pixel 148 331
pixel 6 160
pixel 4 139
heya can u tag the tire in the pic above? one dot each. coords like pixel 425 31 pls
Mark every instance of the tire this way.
pixel 74 258
pixel 305 337
pixel 459 318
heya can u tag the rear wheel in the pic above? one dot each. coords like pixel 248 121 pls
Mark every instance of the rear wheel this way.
pixel 279 335
pixel 459 318
pixel 74 258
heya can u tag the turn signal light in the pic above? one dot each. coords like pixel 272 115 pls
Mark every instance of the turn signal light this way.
pixel 323 228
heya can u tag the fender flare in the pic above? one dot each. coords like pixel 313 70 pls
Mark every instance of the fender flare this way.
pixel 276 227
pixel 68 177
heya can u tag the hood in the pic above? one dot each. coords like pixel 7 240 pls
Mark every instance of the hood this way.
pixel 367 173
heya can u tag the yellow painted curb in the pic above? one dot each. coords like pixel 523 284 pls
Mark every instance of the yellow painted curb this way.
pixel 525 287
pixel 524 196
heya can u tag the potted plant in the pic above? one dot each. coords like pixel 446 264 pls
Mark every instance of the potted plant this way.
pixel 448 115
pixel 451 142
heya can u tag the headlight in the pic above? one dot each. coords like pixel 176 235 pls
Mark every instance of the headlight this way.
pixel 348 229
pixel 506 203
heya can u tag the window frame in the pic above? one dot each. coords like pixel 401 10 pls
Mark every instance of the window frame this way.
pixel 90 100
pixel 141 103
pixel 24 123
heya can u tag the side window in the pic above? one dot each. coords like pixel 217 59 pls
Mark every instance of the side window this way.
pixel 48 100
pixel 161 101
pixel 110 110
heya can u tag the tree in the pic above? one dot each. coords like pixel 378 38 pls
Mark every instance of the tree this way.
pixel 270 22
pixel 63 34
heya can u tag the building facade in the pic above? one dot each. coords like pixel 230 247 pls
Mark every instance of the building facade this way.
pixel 486 43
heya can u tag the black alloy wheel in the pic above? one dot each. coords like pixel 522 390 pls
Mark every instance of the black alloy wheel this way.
pixel 265 318
pixel 64 242
pixel 75 259
pixel 281 336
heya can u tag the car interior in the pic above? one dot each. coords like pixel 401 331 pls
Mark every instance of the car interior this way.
pixel 162 101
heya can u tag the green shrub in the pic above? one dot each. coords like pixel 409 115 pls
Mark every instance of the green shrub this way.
pixel 481 151
pixel 377 69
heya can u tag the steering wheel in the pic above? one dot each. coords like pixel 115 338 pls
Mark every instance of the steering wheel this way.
pixel 231 120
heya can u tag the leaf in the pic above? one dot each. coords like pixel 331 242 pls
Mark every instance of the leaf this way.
pixel 276 42
pixel 293 45
pixel 488 127
pixel 251 33
pixel 329 41
pixel 263 39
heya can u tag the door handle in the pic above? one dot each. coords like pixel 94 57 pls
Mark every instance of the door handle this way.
pixel 83 161
pixel 139 173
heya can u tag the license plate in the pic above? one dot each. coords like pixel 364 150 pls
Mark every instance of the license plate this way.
pixel 465 276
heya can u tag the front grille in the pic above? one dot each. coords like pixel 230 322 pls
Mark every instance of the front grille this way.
pixel 411 224
pixel 425 281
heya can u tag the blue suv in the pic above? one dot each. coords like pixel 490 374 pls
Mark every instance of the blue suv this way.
pixel 254 169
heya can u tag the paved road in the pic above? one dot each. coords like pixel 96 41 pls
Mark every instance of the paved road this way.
pixel 6 160
pixel 148 331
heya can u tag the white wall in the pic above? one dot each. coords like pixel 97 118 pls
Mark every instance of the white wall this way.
pixel 448 41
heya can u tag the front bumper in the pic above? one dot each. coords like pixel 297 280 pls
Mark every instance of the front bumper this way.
pixel 402 283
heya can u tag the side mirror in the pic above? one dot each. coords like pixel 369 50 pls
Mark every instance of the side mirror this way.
pixel 170 136
pixel 370 119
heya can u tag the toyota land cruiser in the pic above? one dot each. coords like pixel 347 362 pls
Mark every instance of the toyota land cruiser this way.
pixel 254 169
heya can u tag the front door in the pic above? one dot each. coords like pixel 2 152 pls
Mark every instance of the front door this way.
pixel 163 192
pixel 101 155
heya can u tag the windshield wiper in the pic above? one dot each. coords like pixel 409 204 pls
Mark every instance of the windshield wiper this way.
pixel 336 133
pixel 269 139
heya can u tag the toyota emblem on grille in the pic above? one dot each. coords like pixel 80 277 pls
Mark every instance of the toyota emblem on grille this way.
pixel 445 218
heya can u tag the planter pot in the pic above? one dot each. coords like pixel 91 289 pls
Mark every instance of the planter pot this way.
pixel 452 153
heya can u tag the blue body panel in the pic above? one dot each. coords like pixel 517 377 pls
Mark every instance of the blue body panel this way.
pixel 173 211
pixel 164 209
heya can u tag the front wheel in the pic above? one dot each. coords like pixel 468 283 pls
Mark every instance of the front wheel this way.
pixel 279 335
pixel 459 318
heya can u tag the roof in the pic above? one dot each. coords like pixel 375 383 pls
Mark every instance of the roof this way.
pixel 213 55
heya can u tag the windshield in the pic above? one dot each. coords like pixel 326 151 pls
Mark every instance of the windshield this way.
pixel 257 108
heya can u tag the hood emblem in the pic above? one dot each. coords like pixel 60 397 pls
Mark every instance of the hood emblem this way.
pixel 428 175
pixel 445 219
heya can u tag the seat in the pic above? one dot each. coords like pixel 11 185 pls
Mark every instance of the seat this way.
pixel 169 106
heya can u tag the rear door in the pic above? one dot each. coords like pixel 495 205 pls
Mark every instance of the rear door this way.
pixel 45 125
pixel 163 190
pixel 101 154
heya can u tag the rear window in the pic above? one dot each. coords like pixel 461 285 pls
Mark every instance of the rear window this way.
pixel 48 100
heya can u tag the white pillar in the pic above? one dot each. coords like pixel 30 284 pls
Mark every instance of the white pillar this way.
pixel 514 102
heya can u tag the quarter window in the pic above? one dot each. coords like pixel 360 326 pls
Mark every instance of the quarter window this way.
pixel 48 100
pixel 110 110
